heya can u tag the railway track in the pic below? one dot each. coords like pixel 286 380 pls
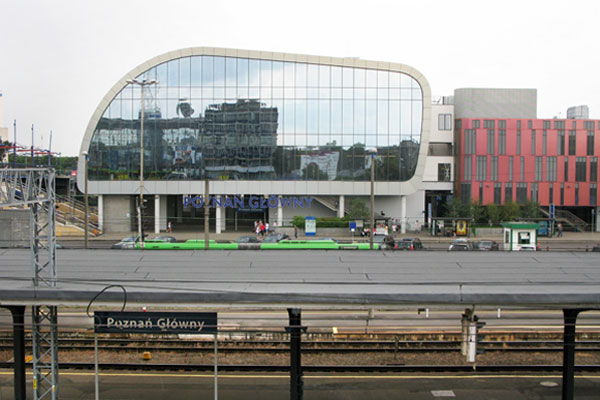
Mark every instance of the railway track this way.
pixel 325 346
pixel 390 368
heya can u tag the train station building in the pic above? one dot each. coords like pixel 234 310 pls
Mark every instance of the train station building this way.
pixel 269 125
pixel 275 126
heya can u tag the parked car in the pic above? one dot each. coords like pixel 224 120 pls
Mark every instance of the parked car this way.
pixel 247 239
pixel 528 247
pixel 459 244
pixel 487 245
pixel 409 244
pixel 126 243
pixel 459 247
pixel 275 237
pixel 385 242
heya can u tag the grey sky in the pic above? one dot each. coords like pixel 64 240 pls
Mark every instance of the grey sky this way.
pixel 59 58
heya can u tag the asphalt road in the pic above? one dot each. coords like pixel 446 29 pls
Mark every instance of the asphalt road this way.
pixel 176 386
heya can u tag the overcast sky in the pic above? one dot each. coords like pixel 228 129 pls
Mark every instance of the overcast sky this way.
pixel 59 58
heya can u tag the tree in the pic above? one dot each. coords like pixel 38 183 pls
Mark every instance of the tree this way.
pixel 510 211
pixel 456 208
pixel 477 212
pixel 494 213
pixel 358 209
pixel 530 210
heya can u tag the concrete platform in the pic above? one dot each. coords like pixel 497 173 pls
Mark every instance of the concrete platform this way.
pixel 307 278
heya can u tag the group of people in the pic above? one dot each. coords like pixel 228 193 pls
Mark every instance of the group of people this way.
pixel 261 228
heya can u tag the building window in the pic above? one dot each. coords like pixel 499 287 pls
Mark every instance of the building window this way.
pixel 502 141
pixel 518 142
pixel 481 168
pixel 480 192
pixel 497 193
pixel 522 169
pixel 590 143
pixel 534 192
pixel 551 193
pixel 588 125
pixel 593 194
pixel 561 143
pixel 533 142
pixel 566 177
pixel 470 141
pixel 476 124
pixel 468 168
pixel 562 194
pixel 521 193
pixel 510 168
pixel 593 169
pixel 440 149
pixel 572 143
pixel 539 169
pixel 494 168
pixel 580 168
pixel 465 193
pixel 518 124
pixel 577 194
pixel 559 124
pixel 544 142
pixel 574 124
pixel 445 122
pixel 529 123
pixel 491 139
pixel 547 125
pixel 508 196
pixel 550 169
pixel 444 173
pixel 489 124
pixel 502 124
pixel 458 124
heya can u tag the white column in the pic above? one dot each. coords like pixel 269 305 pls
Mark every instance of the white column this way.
pixel 224 215
pixel 156 213
pixel 163 213
pixel 218 220
pixel 341 207
pixel 403 220
pixel 101 213
pixel 279 213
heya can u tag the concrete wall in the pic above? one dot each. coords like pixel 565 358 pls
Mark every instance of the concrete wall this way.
pixel 495 103
pixel 14 231
pixel 117 213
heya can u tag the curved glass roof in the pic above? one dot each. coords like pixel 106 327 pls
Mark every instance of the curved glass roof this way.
pixel 232 118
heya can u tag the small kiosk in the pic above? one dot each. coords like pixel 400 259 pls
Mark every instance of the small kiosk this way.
pixel 520 234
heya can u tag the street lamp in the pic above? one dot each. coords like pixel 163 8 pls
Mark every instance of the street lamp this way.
pixel 372 151
pixel 143 83
pixel 85 218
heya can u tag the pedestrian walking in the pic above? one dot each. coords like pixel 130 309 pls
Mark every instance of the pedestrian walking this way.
pixel 169 227
pixel 560 230
pixel 295 232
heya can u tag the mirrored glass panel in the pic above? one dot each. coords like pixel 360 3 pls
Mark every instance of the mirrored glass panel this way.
pixel 248 119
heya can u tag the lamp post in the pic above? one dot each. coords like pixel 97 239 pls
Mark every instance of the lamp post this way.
pixel 372 152
pixel 142 84
pixel 85 218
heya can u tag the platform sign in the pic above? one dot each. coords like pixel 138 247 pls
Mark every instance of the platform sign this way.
pixel 352 226
pixel 154 322
pixel 310 226
pixel 552 211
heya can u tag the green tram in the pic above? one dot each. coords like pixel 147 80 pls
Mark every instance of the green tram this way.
pixel 281 245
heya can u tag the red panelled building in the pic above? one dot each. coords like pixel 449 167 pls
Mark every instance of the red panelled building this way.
pixel 551 161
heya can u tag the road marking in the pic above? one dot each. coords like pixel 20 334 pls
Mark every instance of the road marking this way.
pixel 442 393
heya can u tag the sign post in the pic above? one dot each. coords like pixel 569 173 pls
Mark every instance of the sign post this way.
pixel 310 226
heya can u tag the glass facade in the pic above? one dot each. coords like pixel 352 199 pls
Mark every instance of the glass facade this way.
pixel 229 118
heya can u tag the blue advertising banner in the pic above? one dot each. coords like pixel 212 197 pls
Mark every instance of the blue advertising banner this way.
pixel 310 226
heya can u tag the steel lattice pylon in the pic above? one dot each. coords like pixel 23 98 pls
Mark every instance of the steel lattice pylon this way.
pixel 35 187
